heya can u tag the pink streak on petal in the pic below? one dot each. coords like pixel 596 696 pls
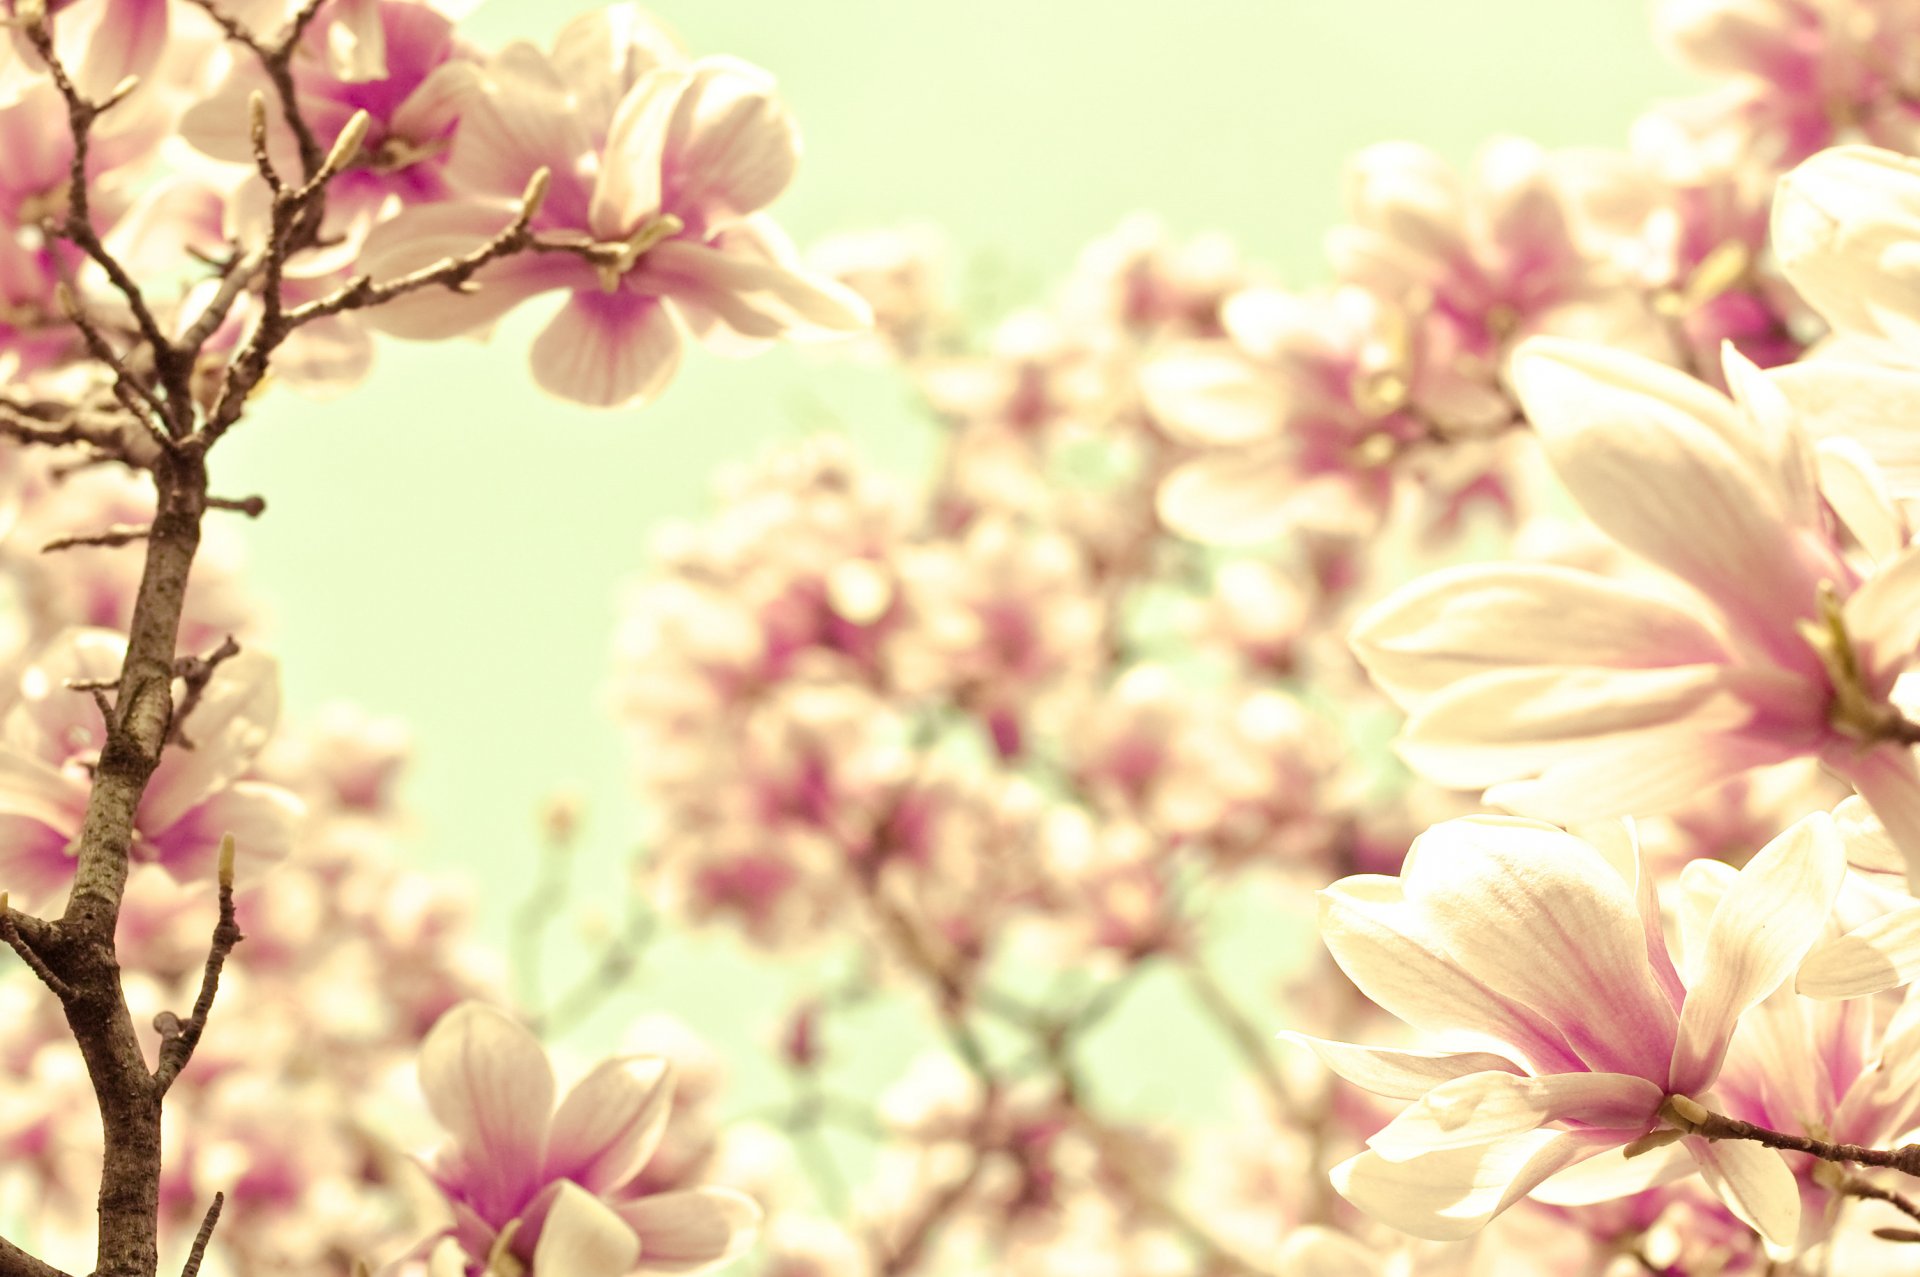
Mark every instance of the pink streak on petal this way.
pixel 608 350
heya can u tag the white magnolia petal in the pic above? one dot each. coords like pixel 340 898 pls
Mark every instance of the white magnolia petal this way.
pixel 582 1237
pixel 1835 218
pixel 1231 498
pixel 1882 954
pixel 1669 469
pixel 1385 949
pixel 1612 1174
pixel 1483 1107
pixel 1514 723
pixel 1762 928
pixel 1451 1194
pixel 1857 492
pixel 1211 397
pixel 1888 777
pixel 1399 1075
pixel 610 1123
pixel 692 1231
pixel 1543 919
pixel 1755 1184
pixel 1870 405
pixel 1459 622
pixel 487 1081
pixel 1883 615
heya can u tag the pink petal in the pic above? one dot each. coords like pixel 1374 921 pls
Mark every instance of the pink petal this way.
pixel 732 149
pixel 692 1231
pixel 1543 920
pixel 235 718
pixel 523 119
pixel 754 296
pixel 608 350
pixel 486 1080
pixel 1763 926
pixel 1675 473
pixel 609 1124
pixel 628 187
pixel 1388 950
pixel 263 820
pixel 1887 777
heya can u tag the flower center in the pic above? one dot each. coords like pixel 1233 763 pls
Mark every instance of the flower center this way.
pixel 616 259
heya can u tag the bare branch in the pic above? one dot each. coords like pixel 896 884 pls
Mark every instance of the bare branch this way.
pixel 78 224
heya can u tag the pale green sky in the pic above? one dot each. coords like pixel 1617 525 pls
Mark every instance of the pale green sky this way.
pixel 446 544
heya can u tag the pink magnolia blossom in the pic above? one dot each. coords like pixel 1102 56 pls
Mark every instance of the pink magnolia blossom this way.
pixel 652 221
pixel 52 736
pixel 1769 635
pixel 1550 950
pixel 557 1188
pixel 412 94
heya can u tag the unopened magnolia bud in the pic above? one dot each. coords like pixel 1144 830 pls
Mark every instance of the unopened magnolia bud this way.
pixel 1684 1111
pixel 63 298
pixel 257 119
pixel 347 145
pixel 226 862
pixel 3 904
pixel 1652 1140
pixel 536 193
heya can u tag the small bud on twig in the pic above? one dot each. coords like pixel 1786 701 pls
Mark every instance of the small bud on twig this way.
pixel 226 862
pixel 536 193
pixel 345 147
pixel 257 119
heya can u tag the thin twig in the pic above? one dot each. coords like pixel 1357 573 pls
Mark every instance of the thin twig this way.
pixel 1695 1119
pixel 196 672
pixel 10 932
pixel 176 1048
pixel 118 534
pixel 204 1236
pixel 78 224
pixel 253 507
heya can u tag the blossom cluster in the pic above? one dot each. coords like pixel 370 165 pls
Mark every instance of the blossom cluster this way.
pixel 1588 476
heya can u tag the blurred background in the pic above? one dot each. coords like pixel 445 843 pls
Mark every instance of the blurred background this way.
pixel 448 546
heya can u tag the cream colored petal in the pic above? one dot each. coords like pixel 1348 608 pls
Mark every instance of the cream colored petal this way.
pixel 1399 1075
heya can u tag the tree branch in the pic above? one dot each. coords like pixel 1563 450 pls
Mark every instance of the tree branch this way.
pixel 15 1262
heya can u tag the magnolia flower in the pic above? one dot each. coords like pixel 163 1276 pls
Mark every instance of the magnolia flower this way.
pixel 1549 949
pixel 555 1188
pixel 658 172
pixel 1773 635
